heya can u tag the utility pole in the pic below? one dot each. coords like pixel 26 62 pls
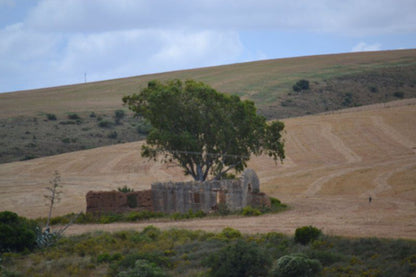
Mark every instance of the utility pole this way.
pixel 85 77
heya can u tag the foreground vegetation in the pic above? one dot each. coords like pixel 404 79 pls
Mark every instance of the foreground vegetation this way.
pixel 174 252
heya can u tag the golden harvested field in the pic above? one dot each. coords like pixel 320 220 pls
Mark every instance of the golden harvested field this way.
pixel 334 163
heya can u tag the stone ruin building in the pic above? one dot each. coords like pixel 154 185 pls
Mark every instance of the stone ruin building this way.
pixel 183 196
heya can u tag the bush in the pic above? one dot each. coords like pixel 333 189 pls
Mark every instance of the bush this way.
pixel 16 233
pixel 250 211
pixel 118 115
pixel 112 135
pixel 125 189
pixel 143 268
pixel 230 233
pixel 306 234
pixel 105 124
pixel 373 89
pixel 399 94
pixel 143 127
pixel 295 265
pixel 51 116
pixel 239 259
pixel 347 101
pixel 301 85
pixel 74 116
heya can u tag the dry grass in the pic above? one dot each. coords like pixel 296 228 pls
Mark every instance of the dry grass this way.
pixel 334 163
pixel 263 81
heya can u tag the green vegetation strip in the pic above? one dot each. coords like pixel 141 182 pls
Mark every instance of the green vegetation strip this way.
pixel 276 206
pixel 176 252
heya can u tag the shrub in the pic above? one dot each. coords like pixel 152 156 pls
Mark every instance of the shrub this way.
pixel 92 115
pixel 301 85
pixel 112 135
pixel 51 116
pixel 295 265
pixel 230 233
pixel 142 215
pixel 143 127
pixel 105 124
pixel 276 205
pixel 74 116
pixel 151 232
pixel 239 259
pixel 250 211
pixel 347 101
pixel 222 209
pixel 118 115
pixel 16 233
pixel 125 189
pixel 373 89
pixel 306 234
pixel 143 268
pixel 399 94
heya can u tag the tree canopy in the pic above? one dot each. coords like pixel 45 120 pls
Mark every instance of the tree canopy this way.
pixel 204 131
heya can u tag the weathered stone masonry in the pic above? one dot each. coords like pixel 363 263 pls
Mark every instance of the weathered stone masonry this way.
pixel 184 196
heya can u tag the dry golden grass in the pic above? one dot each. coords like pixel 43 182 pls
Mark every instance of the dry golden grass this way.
pixel 334 163
pixel 262 81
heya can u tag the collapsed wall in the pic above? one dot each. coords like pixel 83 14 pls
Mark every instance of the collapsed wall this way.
pixel 105 202
pixel 183 196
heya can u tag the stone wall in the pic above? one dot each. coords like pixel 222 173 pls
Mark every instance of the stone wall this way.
pixel 104 202
pixel 183 196
pixel 205 196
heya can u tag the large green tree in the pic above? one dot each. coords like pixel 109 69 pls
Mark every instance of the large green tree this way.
pixel 205 131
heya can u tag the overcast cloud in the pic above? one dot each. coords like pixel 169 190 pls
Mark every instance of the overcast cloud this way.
pixel 54 42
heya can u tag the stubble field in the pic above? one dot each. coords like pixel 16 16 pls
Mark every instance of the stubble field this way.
pixel 335 162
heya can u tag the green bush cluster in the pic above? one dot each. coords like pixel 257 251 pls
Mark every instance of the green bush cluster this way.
pixel 51 116
pixel 295 265
pixel 306 234
pixel 239 259
pixel 250 211
pixel 301 85
pixel 16 233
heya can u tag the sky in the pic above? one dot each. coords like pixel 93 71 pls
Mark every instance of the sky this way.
pixel 45 43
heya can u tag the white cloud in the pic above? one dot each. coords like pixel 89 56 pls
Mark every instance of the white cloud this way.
pixel 58 59
pixel 53 42
pixel 353 17
pixel 362 46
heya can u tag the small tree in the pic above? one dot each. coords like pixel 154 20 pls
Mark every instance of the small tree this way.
pixel 204 131
pixel 54 194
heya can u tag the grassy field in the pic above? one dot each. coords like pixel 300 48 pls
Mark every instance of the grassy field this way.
pixel 336 82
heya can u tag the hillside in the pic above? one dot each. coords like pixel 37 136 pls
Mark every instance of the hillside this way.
pixel 336 82
pixel 335 161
